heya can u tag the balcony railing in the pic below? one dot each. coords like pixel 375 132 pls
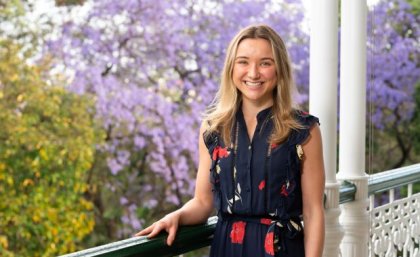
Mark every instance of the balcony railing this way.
pixel 395 220
pixel 395 225
pixel 188 238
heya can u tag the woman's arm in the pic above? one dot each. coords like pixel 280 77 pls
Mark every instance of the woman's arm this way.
pixel 313 184
pixel 195 211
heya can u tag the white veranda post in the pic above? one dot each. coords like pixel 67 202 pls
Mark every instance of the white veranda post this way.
pixel 323 103
pixel 354 217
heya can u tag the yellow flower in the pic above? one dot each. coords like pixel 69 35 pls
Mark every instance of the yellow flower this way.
pixel 28 182
pixel 3 242
pixel 36 218
pixel 20 98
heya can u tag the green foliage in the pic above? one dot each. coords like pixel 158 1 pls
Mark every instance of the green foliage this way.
pixel 69 2
pixel 47 144
pixel 389 146
pixel 415 125
pixel 415 4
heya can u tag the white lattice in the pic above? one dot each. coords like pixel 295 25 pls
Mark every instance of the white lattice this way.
pixel 395 228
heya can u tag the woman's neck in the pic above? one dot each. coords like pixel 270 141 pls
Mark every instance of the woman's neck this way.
pixel 250 110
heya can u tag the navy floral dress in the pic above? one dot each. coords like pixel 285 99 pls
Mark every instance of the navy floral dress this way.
pixel 257 190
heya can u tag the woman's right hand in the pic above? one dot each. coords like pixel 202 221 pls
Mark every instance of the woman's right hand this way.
pixel 169 223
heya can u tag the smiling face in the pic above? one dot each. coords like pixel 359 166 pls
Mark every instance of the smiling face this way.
pixel 254 71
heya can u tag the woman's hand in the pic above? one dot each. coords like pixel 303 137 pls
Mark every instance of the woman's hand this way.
pixel 169 223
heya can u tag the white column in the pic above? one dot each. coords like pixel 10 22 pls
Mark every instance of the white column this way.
pixel 323 103
pixel 354 217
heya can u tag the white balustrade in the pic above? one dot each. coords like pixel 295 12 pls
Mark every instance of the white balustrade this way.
pixel 395 226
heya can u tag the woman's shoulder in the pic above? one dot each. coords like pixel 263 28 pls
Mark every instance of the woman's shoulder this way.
pixel 306 121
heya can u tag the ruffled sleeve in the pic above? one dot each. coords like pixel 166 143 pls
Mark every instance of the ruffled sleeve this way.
pixel 307 120
pixel 211 140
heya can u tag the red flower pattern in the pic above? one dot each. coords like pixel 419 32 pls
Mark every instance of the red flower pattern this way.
pixel 220 152
pixel 261 185
pixel 238 232
pixel 265 221
pixel 284 191
pixel 304 113
pixel 269 243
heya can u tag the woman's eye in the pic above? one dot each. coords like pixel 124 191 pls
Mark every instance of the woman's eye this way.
pixel 242 62
pixel 266 64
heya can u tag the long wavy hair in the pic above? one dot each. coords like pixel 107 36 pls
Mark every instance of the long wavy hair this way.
pixel 220 116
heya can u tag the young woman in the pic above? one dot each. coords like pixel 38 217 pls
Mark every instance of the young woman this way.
pixel 264 158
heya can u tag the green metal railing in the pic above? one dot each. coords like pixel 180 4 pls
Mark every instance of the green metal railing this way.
pixel 190 238
pixel 386 180
pixel 347 192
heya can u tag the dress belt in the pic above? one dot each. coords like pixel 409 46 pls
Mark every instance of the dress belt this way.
pixel 278 229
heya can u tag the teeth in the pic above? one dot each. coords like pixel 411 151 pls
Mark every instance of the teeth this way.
pixel 253 84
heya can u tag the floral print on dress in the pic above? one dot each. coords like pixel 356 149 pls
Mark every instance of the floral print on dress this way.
pixel 287 188
pixel 235 198
pixel 283 191
pixel 237 233
pixel 220 152
pixel 261 185
pixel 265 221
pixel 218 169
pixel 269 243
pixel 299 151
pixel 304 114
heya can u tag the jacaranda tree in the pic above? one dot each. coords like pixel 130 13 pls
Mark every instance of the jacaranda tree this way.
pixel 393 71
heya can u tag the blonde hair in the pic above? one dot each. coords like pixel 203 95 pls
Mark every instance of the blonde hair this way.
pixel 220 115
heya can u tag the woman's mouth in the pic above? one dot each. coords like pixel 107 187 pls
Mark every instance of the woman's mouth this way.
pixel 253 84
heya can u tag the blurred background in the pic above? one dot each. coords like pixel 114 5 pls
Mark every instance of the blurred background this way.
pixel 101 103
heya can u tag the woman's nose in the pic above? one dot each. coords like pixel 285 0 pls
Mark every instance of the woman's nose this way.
pixel 253 72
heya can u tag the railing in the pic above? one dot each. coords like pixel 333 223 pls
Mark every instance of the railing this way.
pixel 188 238
pixel 194 237
pixel 395 225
